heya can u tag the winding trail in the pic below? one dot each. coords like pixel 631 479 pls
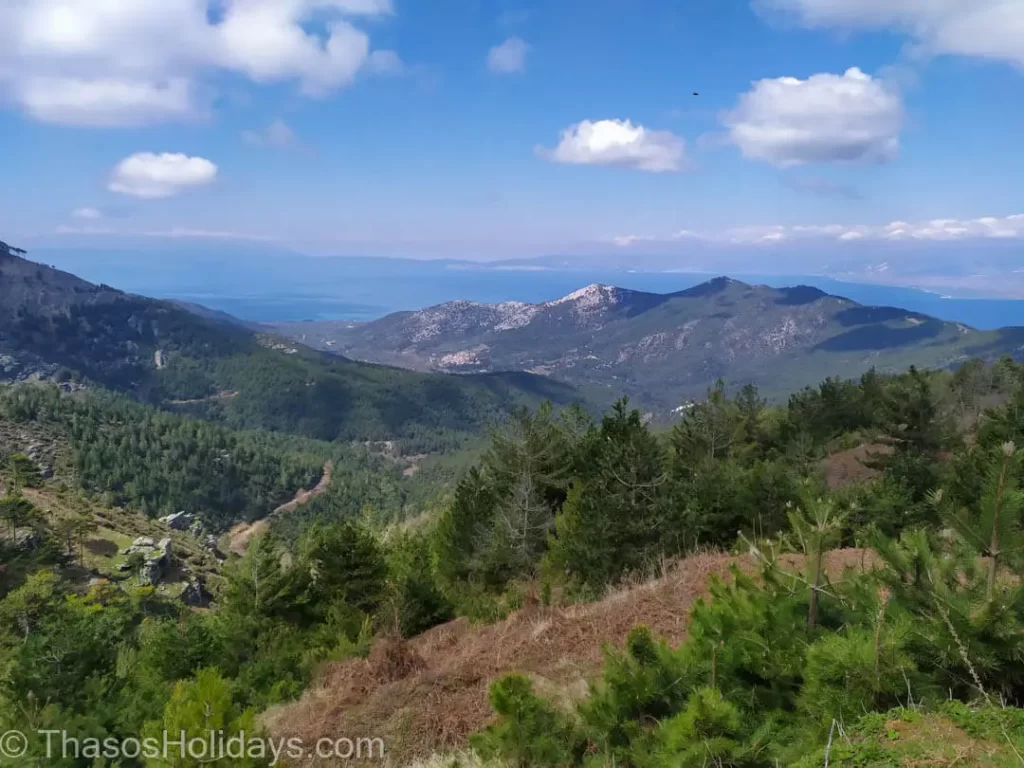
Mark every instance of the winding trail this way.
pixel 240 535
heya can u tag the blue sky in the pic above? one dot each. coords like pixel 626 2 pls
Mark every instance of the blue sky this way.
pixel 485 129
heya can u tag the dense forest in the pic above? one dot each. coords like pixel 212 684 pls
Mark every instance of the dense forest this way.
pixel 561 508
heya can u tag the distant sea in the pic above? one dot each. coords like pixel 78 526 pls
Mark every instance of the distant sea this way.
pixel 276 287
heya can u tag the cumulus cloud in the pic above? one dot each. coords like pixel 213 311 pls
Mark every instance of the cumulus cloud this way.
pixel 277 135
pixel 149 175
pixel 87 214
pixel 991 29
pixel 619 142
pixel 786 121
pixel 509 57
pixel 101 62
pixel 986 227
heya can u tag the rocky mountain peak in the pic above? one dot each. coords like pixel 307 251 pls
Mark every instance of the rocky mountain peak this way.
pixel 591 296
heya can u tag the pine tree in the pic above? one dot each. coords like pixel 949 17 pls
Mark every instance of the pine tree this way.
pixel 713 428
pixel 615 518
pixel 817 524
pixel 198 708
pixel 461 527
pixel 994 528
pixel 345 563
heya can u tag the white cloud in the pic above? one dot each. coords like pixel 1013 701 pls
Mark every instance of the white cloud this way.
pixel 508 57
pixel 385 62
pixel 205 234
pixel 149 175
pixel 851 117
pixel 264 40
pixel 87 214
pixel 619 142
pixel 986 227
pixel 130 62
pixel 627 240
pixel 277 135
pixel 991 29
pixel 73 101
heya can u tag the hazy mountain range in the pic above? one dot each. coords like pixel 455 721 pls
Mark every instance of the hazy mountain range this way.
pixel 262 282
pixel 664 348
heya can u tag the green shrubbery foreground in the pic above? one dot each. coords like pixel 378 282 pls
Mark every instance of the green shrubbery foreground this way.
pixel 758 684
pixel 782 666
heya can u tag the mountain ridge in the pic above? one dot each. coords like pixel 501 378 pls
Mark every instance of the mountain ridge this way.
pixel 664 348
pixel 54 325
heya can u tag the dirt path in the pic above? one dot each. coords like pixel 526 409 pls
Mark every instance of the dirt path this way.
pixel 227 394
pixel 239 536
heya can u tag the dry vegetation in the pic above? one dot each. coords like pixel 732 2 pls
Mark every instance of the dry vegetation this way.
pixel 848 467
pixel 428 694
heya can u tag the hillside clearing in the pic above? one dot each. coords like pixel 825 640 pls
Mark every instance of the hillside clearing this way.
pixel 435 706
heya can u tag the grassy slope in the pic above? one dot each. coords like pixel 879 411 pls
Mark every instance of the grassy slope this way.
pixel 953 735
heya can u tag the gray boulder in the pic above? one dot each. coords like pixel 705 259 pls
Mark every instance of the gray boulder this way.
pixel 195 594
pixel 179 521
pixel 157 557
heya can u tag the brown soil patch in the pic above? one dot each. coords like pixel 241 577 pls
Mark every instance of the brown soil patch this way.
pixel 414 464
pixel 241 534
pixel 848 467
pixel 441 695
pixel 227 394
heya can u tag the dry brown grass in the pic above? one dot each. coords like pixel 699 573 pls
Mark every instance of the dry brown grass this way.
pixel 846 467
pixel 434 703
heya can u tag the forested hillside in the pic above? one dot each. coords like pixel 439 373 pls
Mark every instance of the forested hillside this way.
pixel 56 326
pixel 792 655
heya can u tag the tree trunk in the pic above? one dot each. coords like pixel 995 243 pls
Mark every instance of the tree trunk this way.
pixel 812 613
pixel 993 546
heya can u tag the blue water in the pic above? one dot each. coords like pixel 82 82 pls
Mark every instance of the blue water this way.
pixel 367 297
pixel 267 287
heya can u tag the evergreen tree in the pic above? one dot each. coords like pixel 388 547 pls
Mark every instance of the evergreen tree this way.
pixel 346 564
pixel 198 708
pixel 994 526
pixel 817 524
pixel 615 518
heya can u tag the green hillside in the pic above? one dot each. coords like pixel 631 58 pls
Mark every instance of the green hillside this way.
pixel 56 326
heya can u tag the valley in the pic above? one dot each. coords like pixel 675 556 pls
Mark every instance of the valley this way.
pixel 495 558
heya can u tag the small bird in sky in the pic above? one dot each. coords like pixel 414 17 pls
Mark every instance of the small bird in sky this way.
pixel 696 94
